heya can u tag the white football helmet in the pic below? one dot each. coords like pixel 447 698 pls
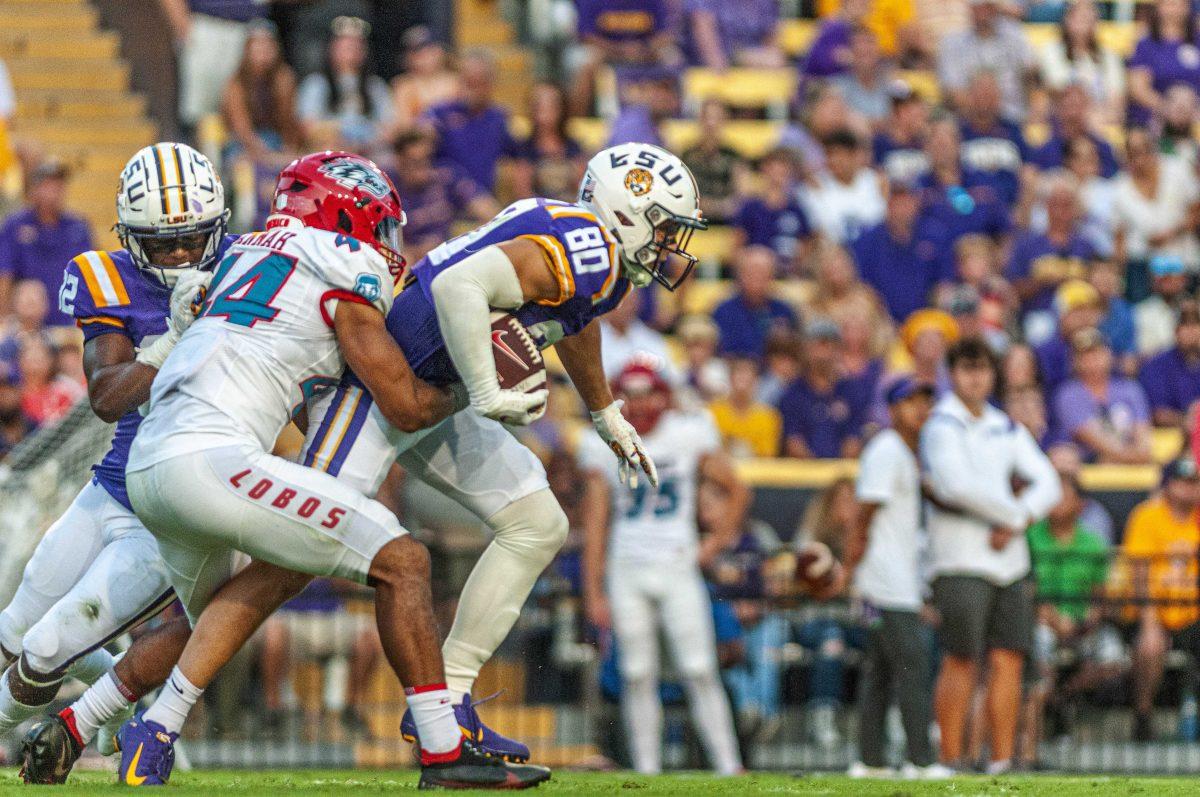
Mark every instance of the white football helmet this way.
pixel 170 196
pixel 648 200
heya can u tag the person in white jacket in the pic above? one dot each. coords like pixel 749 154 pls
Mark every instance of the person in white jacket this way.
pixel 986 480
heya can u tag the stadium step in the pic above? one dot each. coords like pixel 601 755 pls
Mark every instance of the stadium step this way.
pixel 127 131
pixel 47 16
pixel 69 73
pixel 95 45
pixel 83 105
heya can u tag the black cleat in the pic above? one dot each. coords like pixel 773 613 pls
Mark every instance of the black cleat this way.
pixel 475 769
pixel 50 749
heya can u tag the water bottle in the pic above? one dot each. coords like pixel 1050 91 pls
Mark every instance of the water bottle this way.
pixel 1187 717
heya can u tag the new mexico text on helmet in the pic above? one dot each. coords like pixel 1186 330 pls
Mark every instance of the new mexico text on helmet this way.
pixel 648 200
pixel 170 198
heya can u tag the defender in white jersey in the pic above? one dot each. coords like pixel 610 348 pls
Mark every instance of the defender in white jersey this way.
pixel 287 311
pixel 650 578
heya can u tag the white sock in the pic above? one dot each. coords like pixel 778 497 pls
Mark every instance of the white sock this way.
pixel 89 668
pixel 713 721
pixel 433 712
pixel 101 702
pixel 176 699
pixel 13 712
pixel 642 708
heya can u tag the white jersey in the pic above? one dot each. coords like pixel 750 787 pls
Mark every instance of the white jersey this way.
pixel 657 527
pixel 263 345
pixel 842 212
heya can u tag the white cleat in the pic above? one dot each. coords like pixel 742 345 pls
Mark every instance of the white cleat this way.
pixel 934 771
pixel 860 771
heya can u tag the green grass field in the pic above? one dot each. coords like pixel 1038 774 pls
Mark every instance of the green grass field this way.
pixel 574 783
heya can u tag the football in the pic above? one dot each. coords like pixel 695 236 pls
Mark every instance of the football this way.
pixel 519 364
pixel 816 568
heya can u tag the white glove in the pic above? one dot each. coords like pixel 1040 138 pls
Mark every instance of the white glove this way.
pixel 186 299
pixel 515 407
pixel 626 443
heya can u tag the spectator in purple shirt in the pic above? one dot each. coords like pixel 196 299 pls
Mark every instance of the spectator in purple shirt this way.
pixel 1171 379
pixel 822 412
pixel 473 130
pixel 629 35
pixel 749 317
pixel 829 53
pixel 39 240
pixel 992 145
pixel 899 147
pixel 1166 55
pixel 549 163
pixel 905 256
pixel 961 200
pixel 775 218
pixel 434 195
pixel 1071 110
pixel 1041 261
pixel 1079 307
pixel 1107 416
pixel 721 33
pixel 866 85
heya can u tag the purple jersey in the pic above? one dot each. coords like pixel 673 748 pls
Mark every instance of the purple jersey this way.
pixel 579 250
pixel 107 294
pixel 997 155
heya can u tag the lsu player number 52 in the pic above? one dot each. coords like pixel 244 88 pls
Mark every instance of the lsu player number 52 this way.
pixel 97 571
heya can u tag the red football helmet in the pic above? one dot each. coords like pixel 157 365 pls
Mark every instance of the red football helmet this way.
pixel 345 193
pixel 643 385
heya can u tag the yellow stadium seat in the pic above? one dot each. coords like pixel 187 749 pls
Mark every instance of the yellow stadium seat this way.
pixel 704 295
pixel 750 138
pixel 795 35
pixel 591 133
pixel 742 88
pixel 714 245
pixel 1120 37
pixel 1166 444
pixel 924 83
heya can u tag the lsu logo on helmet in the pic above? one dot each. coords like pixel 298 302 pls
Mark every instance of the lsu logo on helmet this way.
pixel 353 174
pixel 639 181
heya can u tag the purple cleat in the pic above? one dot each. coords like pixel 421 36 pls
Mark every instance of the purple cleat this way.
pixel 147 753
pixel 488 740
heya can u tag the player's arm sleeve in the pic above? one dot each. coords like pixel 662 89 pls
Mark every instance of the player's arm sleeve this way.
pixel 944 450
pixel 353 273
pixel 75 298
pixel 463 296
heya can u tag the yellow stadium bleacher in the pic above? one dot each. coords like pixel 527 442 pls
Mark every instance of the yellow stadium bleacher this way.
pixel 768 89
pixel 750 138
pixel 796 35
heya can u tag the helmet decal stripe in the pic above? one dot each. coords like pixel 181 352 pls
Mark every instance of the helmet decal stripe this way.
pixel 114 277
pixel 162 181
pixel 183 208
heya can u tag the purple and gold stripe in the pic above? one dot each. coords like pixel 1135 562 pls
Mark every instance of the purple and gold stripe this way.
pixel 338 430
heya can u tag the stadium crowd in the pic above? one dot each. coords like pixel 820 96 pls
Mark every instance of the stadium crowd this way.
pixel 935 179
